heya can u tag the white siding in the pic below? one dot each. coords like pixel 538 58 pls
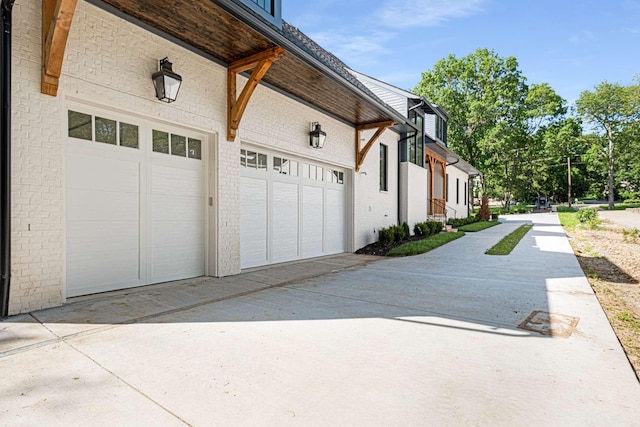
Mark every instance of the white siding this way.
pixel 414 193
pixel 460 207
pixel 392 96
pixel 375 209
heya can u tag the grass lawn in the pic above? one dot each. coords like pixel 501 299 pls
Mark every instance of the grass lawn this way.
pixel 425 245
pixel 506 245
pixel 478 226
pixel 565 209
pixel 569 220
pixel 621 206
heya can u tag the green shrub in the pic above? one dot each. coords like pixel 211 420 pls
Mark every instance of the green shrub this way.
pixel 459 222
pixel 588 216
pixel 421 229
pixel 632 201
pixel 400 233
pixel 405 230
pixel 386 236
pixel 435 227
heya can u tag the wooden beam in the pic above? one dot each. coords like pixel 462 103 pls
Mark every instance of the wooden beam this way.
pixel 362 153
pixel 57 16
pixel 252 61
pixel 260 63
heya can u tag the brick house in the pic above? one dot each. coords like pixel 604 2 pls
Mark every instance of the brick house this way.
pixel 112 188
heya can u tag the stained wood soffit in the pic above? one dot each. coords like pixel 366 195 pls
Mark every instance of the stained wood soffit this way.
pixel 260 64
pixel 57 16
pixel 380 127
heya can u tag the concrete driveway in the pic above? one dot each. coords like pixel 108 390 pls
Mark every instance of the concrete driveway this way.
pixel 424 340
pixel 626 218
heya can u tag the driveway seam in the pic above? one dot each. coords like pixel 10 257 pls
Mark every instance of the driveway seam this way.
pixel 127 383
pixel 422 312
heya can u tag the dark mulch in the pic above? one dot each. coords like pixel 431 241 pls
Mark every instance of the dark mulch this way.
pixel 379 249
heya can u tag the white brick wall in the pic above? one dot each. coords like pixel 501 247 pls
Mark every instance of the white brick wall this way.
pixel 460 207
pixel 37 173
pixel 414 193
pixel 375 209
pixel 108 64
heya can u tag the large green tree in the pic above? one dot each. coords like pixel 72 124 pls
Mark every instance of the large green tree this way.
pixel 495 118
pixel 613 112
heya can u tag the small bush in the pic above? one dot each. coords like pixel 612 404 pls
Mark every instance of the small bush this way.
pixel 588 216
pixel 386 236
pixel 459 222
pixel 399 233
pixel 632 201
pixel 405 230
pixel 435 226
pixel 421 229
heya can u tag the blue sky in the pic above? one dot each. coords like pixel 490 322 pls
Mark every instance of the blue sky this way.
pixel 572 45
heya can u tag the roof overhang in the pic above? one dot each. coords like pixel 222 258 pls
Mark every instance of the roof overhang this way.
pixel 226 31
pixel 452 158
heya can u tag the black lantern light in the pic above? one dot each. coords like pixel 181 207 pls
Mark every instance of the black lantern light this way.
pixel 166 82
pixel 317 136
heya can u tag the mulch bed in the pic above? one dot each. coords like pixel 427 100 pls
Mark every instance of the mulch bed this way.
pixel 377 248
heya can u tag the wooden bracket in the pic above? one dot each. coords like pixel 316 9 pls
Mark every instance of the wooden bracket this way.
pixel 260 63
pixel 56 22
pixel 362 153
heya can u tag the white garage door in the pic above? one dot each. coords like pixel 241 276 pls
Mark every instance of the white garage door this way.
pixel 290 209
pixel 135 212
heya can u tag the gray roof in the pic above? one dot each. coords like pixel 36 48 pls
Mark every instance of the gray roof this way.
pixel 303 41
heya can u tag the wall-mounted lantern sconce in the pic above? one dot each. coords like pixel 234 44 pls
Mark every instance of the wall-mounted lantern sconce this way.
pixel 166 82
pixel 316 136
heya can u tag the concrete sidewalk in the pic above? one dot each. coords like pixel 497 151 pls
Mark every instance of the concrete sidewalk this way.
pixel 425 340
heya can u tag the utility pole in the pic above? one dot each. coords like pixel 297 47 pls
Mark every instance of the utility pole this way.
pixel 569 177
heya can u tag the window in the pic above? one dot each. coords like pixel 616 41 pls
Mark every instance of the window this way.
pixel 335 177
pixel 446 188
pixel 103 130
pixel 465 194
pixel 268 9
pixel 384 168
pixel 441 129
pixel 176 145
pixel 412 149
pixel 285 166
pixel 457 190
pixel 253 160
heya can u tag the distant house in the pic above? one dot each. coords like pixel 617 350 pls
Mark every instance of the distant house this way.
pixel 113 188
pixel 433 179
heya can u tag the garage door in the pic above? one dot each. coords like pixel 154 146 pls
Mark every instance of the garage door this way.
pixel 290 208
pixel 134 203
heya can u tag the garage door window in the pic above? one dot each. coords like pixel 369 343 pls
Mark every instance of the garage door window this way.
pixel 335 177
pixel 253 160
pixel 285 166
pixel 107 131
pixel 312 172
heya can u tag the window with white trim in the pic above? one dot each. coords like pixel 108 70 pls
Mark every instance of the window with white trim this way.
pixel 253 160
pixel 384 168
pixel 103 130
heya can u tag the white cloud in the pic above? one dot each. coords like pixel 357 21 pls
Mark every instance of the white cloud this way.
pixel 354 50
pixel 425 13
pixel 582 37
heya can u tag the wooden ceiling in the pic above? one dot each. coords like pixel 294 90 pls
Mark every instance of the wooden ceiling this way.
pixel 209 28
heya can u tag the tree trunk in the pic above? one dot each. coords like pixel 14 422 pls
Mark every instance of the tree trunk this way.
pixel 610 184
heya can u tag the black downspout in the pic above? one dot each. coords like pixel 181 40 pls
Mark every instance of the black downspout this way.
pixel 5 157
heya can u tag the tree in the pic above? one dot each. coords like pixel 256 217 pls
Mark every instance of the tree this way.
pixel 613 111
pixel 493 114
